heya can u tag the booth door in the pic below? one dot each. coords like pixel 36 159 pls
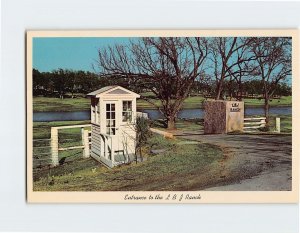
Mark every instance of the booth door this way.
pixel 127 129
pixel 119 126
pixel 112 124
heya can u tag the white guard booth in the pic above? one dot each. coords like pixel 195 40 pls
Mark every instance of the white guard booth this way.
pixel 113 116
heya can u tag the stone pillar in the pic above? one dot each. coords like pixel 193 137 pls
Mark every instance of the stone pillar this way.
pixel 54 146
pixel 222 116
pixel 214 117
pixel 277 128
pixel 86 150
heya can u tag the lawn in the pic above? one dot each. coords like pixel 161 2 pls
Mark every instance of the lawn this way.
pixel 283 101
pixel 157 172
pixel 181 124
pixel 49 104
pixel 45 104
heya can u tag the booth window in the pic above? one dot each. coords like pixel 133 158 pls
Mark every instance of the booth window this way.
pixel 110 119
pixel 127 111
pixel 97 116
pixel 95 111
pixel 93 115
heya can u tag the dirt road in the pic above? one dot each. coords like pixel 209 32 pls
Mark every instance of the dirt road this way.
pixel 256 162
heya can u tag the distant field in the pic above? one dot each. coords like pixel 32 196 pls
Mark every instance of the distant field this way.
pixel 283 101
pixel 46 104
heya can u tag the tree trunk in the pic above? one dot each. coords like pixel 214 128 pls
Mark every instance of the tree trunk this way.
pixel 141 155
pixel 218 92
pixel 171 122
pixel 266 108
pixel 72 91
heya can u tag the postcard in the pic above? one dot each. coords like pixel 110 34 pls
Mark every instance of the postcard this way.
pixel 162 116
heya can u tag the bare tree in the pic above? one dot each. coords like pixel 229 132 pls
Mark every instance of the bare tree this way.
pixel 230 57
pixel 244 67
pixel 168 66
pixel 274 64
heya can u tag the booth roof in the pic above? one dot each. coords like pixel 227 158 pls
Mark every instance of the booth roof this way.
pixel 114 90
pixel 99 91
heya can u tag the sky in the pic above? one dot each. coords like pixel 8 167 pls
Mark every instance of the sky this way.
pixel 76 53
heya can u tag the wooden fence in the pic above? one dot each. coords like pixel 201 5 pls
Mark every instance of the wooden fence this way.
pixel 254 123
pixel 251 124
pixel 142 114
pixel 85 145
pixel 41 152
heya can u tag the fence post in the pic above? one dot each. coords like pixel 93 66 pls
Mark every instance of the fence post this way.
pixel 54 146
pixel 277 128
pixel 86 150
pixel 82 135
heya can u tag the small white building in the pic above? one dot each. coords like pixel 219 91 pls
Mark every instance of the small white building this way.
pixel 113 115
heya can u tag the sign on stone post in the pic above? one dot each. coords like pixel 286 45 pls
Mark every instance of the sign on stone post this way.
pixel 222 116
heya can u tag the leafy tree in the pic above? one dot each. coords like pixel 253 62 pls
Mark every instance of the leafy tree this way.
pixel 60 81
pixel 36 81
pixel 283 89
pixel 72 81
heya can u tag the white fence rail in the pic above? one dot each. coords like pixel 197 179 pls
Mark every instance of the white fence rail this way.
pixel 142 114
pixel 254 123
pixel 85 135
pixel 251 124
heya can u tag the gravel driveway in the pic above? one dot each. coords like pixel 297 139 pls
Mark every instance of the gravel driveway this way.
pixel 261 162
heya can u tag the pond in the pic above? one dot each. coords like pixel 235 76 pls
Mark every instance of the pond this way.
pixel 153 114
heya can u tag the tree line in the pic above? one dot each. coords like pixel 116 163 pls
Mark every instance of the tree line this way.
pixel 63 83
pixel 172 68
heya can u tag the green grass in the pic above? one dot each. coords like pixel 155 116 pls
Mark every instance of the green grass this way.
pixel 44 104
pixel 181 124
pixel 181 167
pixel 283 101
pixel 47 104
pixel 158 172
